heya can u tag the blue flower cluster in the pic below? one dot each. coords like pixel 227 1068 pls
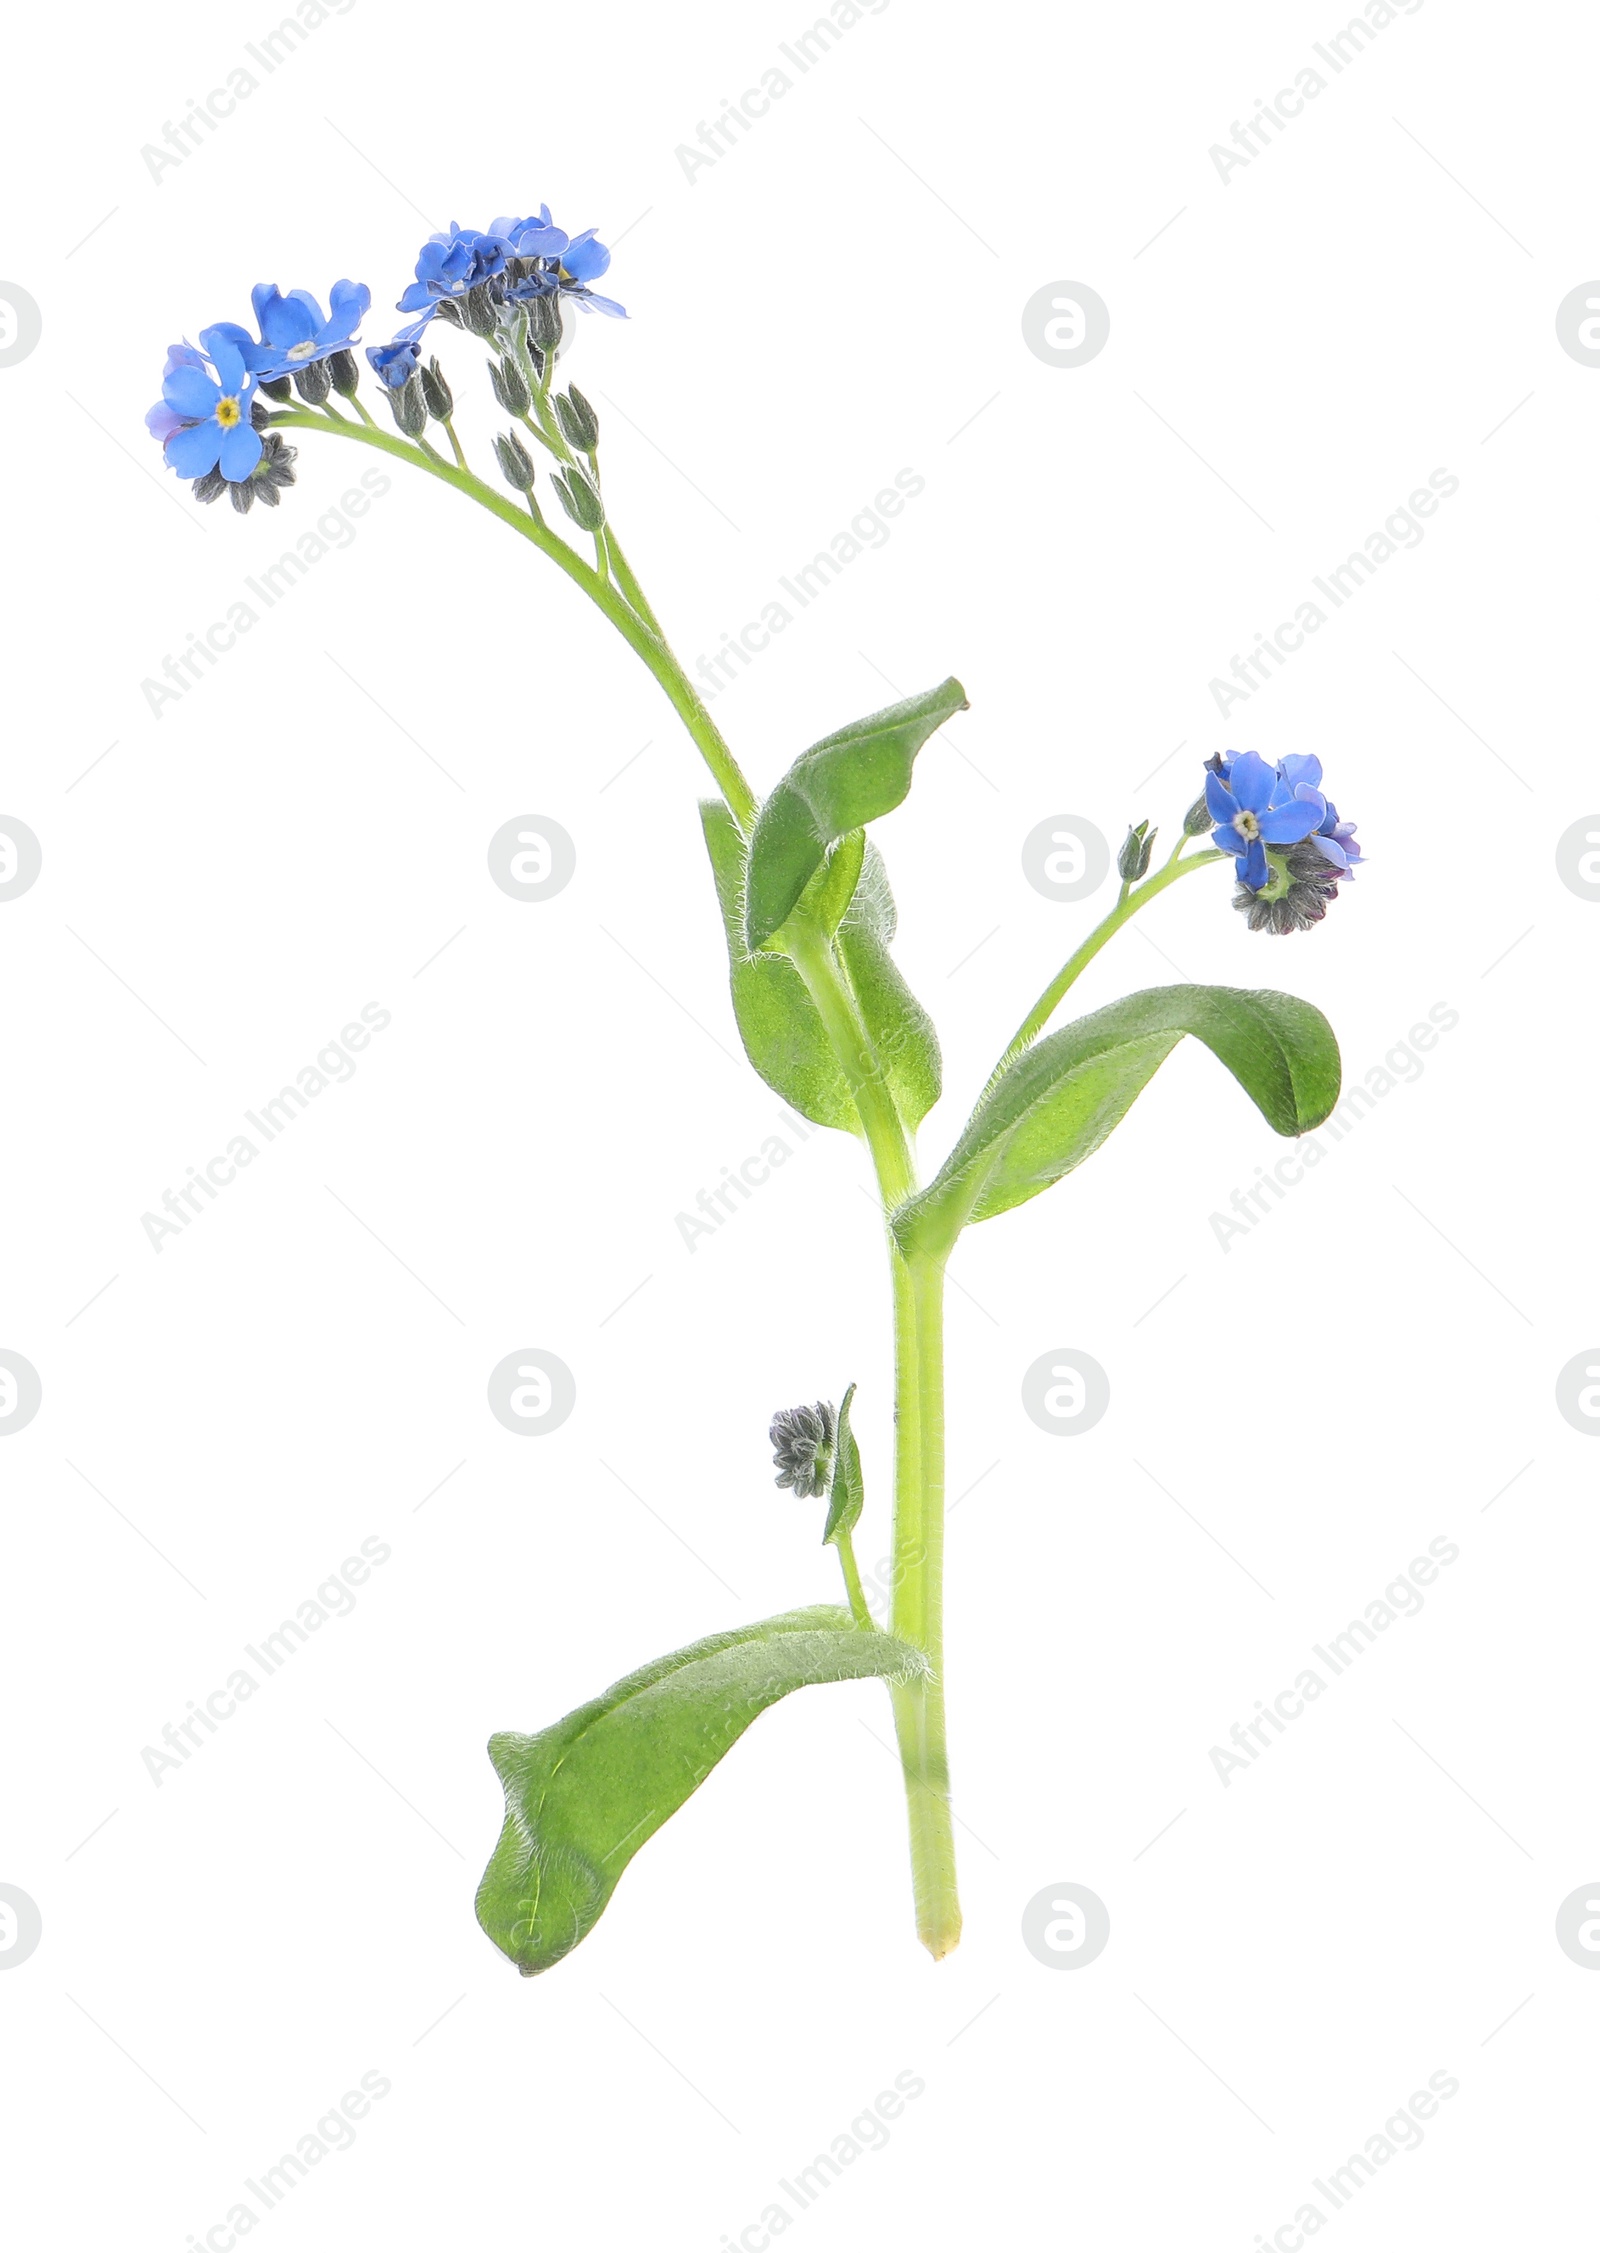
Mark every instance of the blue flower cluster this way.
pixel 213 428
pixel 511 261
pixel 1290 848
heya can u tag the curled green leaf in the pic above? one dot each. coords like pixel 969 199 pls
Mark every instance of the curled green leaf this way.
pixel 1053 1105
pixel 851 777
pixel 783 1035
pixel 583 1796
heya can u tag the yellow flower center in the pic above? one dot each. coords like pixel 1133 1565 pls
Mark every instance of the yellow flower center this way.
pixel 1247 825
pixel 228 413
pixel 301 351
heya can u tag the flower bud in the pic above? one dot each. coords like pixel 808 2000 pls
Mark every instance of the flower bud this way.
pixel 478 310
pixel 509 386
pixel 436 393
pixel 1198 818
pixel 579 498
pixel 275 387
pixel 313 382
pixel 409 407
pixel 580 425
pixel 544 321
pixel 802 1447
pixel 344 369
pixel 1133 861
pixel 516 463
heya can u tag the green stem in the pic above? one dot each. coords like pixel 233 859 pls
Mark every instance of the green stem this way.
pixel 646 644
pixel 1128 905
pixel 860 1610
pixel 812 952
pixel 455 443
pixel 917 1607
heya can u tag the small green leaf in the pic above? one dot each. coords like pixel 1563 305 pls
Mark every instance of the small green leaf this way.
pixel 583 1795
pixel 777 1019
pixel 1053 1106
pixel 849 778
pixel 845 1491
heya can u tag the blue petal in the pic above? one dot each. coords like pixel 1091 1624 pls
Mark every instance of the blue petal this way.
pixel 1301 767
pixel 193 451
pixel 1220 801
pixel 592 302
pixel 1252 781
pixel 1227 839
pixel 1253 870
pixel 190 391
pixel 1286 825
pixel 226 357
pixel 1332 850
pixel 288 321
pixel 241 450
pixel 584 258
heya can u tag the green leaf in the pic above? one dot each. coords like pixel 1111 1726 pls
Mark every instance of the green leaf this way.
pixel 777 1019
pixel 1053 1106
pixel 783 1035
pixel 584 1795
pixel 849 778
pixel 901 1031
pixel 846 1493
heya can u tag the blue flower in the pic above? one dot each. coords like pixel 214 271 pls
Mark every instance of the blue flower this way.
pixel 450 264
pixel 294 329
pixel 1255 805
pixel 395 363
pixel 1336 841
pixel 203 419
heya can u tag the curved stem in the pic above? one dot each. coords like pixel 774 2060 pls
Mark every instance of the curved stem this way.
pixel 646 644
pixel 1128 904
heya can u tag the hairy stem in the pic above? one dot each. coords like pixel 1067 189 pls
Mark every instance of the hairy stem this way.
pixel 641 638
pixel 860 1610
pixel 1128 904
pixel 917 1606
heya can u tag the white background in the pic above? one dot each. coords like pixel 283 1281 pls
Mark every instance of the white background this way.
pixel 1292 352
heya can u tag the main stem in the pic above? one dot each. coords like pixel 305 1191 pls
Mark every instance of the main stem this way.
pixel 917 1603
